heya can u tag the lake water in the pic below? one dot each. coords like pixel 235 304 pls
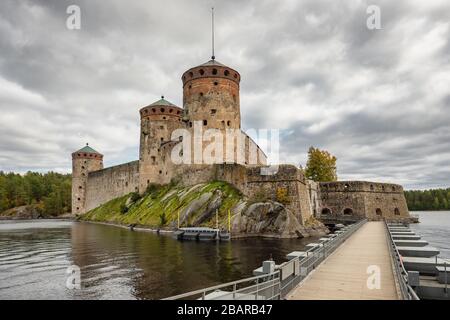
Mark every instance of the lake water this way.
pixel 116 263
pixel 434 227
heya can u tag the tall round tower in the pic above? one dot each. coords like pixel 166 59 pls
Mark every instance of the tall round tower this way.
pixel 84 161
pixel 211 95
pixel 158 120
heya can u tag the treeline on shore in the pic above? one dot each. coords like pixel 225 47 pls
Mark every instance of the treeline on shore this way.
pixel 48 193
pixel 435 199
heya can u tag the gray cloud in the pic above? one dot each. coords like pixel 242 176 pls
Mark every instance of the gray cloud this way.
pixel 378 99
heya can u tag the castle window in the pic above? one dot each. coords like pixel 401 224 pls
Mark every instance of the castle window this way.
pixel 393 188
pixel 164 118
pixel 191 74
pixel 396 211
pixel 126 184
pixel 201 94
pixel 213 111
pixel 162 139
pixel 153 160
pixel 82 167
pixel 178 112
pixel 371 187
pixel 162 110
pixel 235 75
pixel 216 83
pixel 226 72
pixel 228 123
pixel 85 154
pixel 214 71
pixel 201 71
pixel 180 138
pixel 378 212
pixel 190 124
pixel 80 187
pixel 326 211
pixel 348 211
pixel 79 199
pixel 148 181
pixel 78 208
pixel 154 110
pixel 205 122
pixel 171 110
pixel 160 172
pixel 145 111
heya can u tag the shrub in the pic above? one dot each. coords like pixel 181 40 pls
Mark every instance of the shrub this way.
pixel 282 196
pixel 162 219
pixel 123 208
pixel 135 196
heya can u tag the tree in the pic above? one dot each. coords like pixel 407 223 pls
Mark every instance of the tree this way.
pixel 321 165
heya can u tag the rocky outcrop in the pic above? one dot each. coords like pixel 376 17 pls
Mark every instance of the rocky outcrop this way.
pixel 272 219
pixel 208 205
pixel 22 212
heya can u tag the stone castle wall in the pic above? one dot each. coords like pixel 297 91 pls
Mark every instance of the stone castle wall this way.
pixel 107 184
pixel 287 184
pixel 362 199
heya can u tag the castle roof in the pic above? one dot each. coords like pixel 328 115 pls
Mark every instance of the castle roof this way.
pixel 162 102
pixel 87 149
pixel 212 62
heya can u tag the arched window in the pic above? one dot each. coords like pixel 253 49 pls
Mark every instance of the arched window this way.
pixel 326 211
pixel 226 72
pixel 205 122
pixel 162 110
pixel 396 211
pixel 228 123
pixel 201 71
pixel 348 211
pixel 378 212
pixel 191 74
pixel 371 187
pixel 214 71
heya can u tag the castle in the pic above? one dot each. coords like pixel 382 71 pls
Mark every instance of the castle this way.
pixel 211 105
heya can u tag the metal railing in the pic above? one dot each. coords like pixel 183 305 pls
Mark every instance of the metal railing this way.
pixel 262 287
pixel 278 284
pixel 406 291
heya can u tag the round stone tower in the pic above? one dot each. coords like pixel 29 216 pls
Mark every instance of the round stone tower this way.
pixel 84 161
pixel 211 95
pixel 158 120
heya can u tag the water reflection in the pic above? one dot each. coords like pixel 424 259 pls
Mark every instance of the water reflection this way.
pixel 118 264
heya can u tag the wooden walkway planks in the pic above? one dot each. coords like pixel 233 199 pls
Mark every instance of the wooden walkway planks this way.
pixel 343 275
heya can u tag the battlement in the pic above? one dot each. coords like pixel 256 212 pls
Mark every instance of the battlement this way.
pixel 360 186
pixel 155 112
pixel 211 69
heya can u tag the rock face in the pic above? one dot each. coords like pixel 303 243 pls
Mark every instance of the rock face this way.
pixel 207 205
pixel 272 219
pixel 23 212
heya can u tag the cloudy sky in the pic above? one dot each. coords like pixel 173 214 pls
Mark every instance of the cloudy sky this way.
pixel 377 99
